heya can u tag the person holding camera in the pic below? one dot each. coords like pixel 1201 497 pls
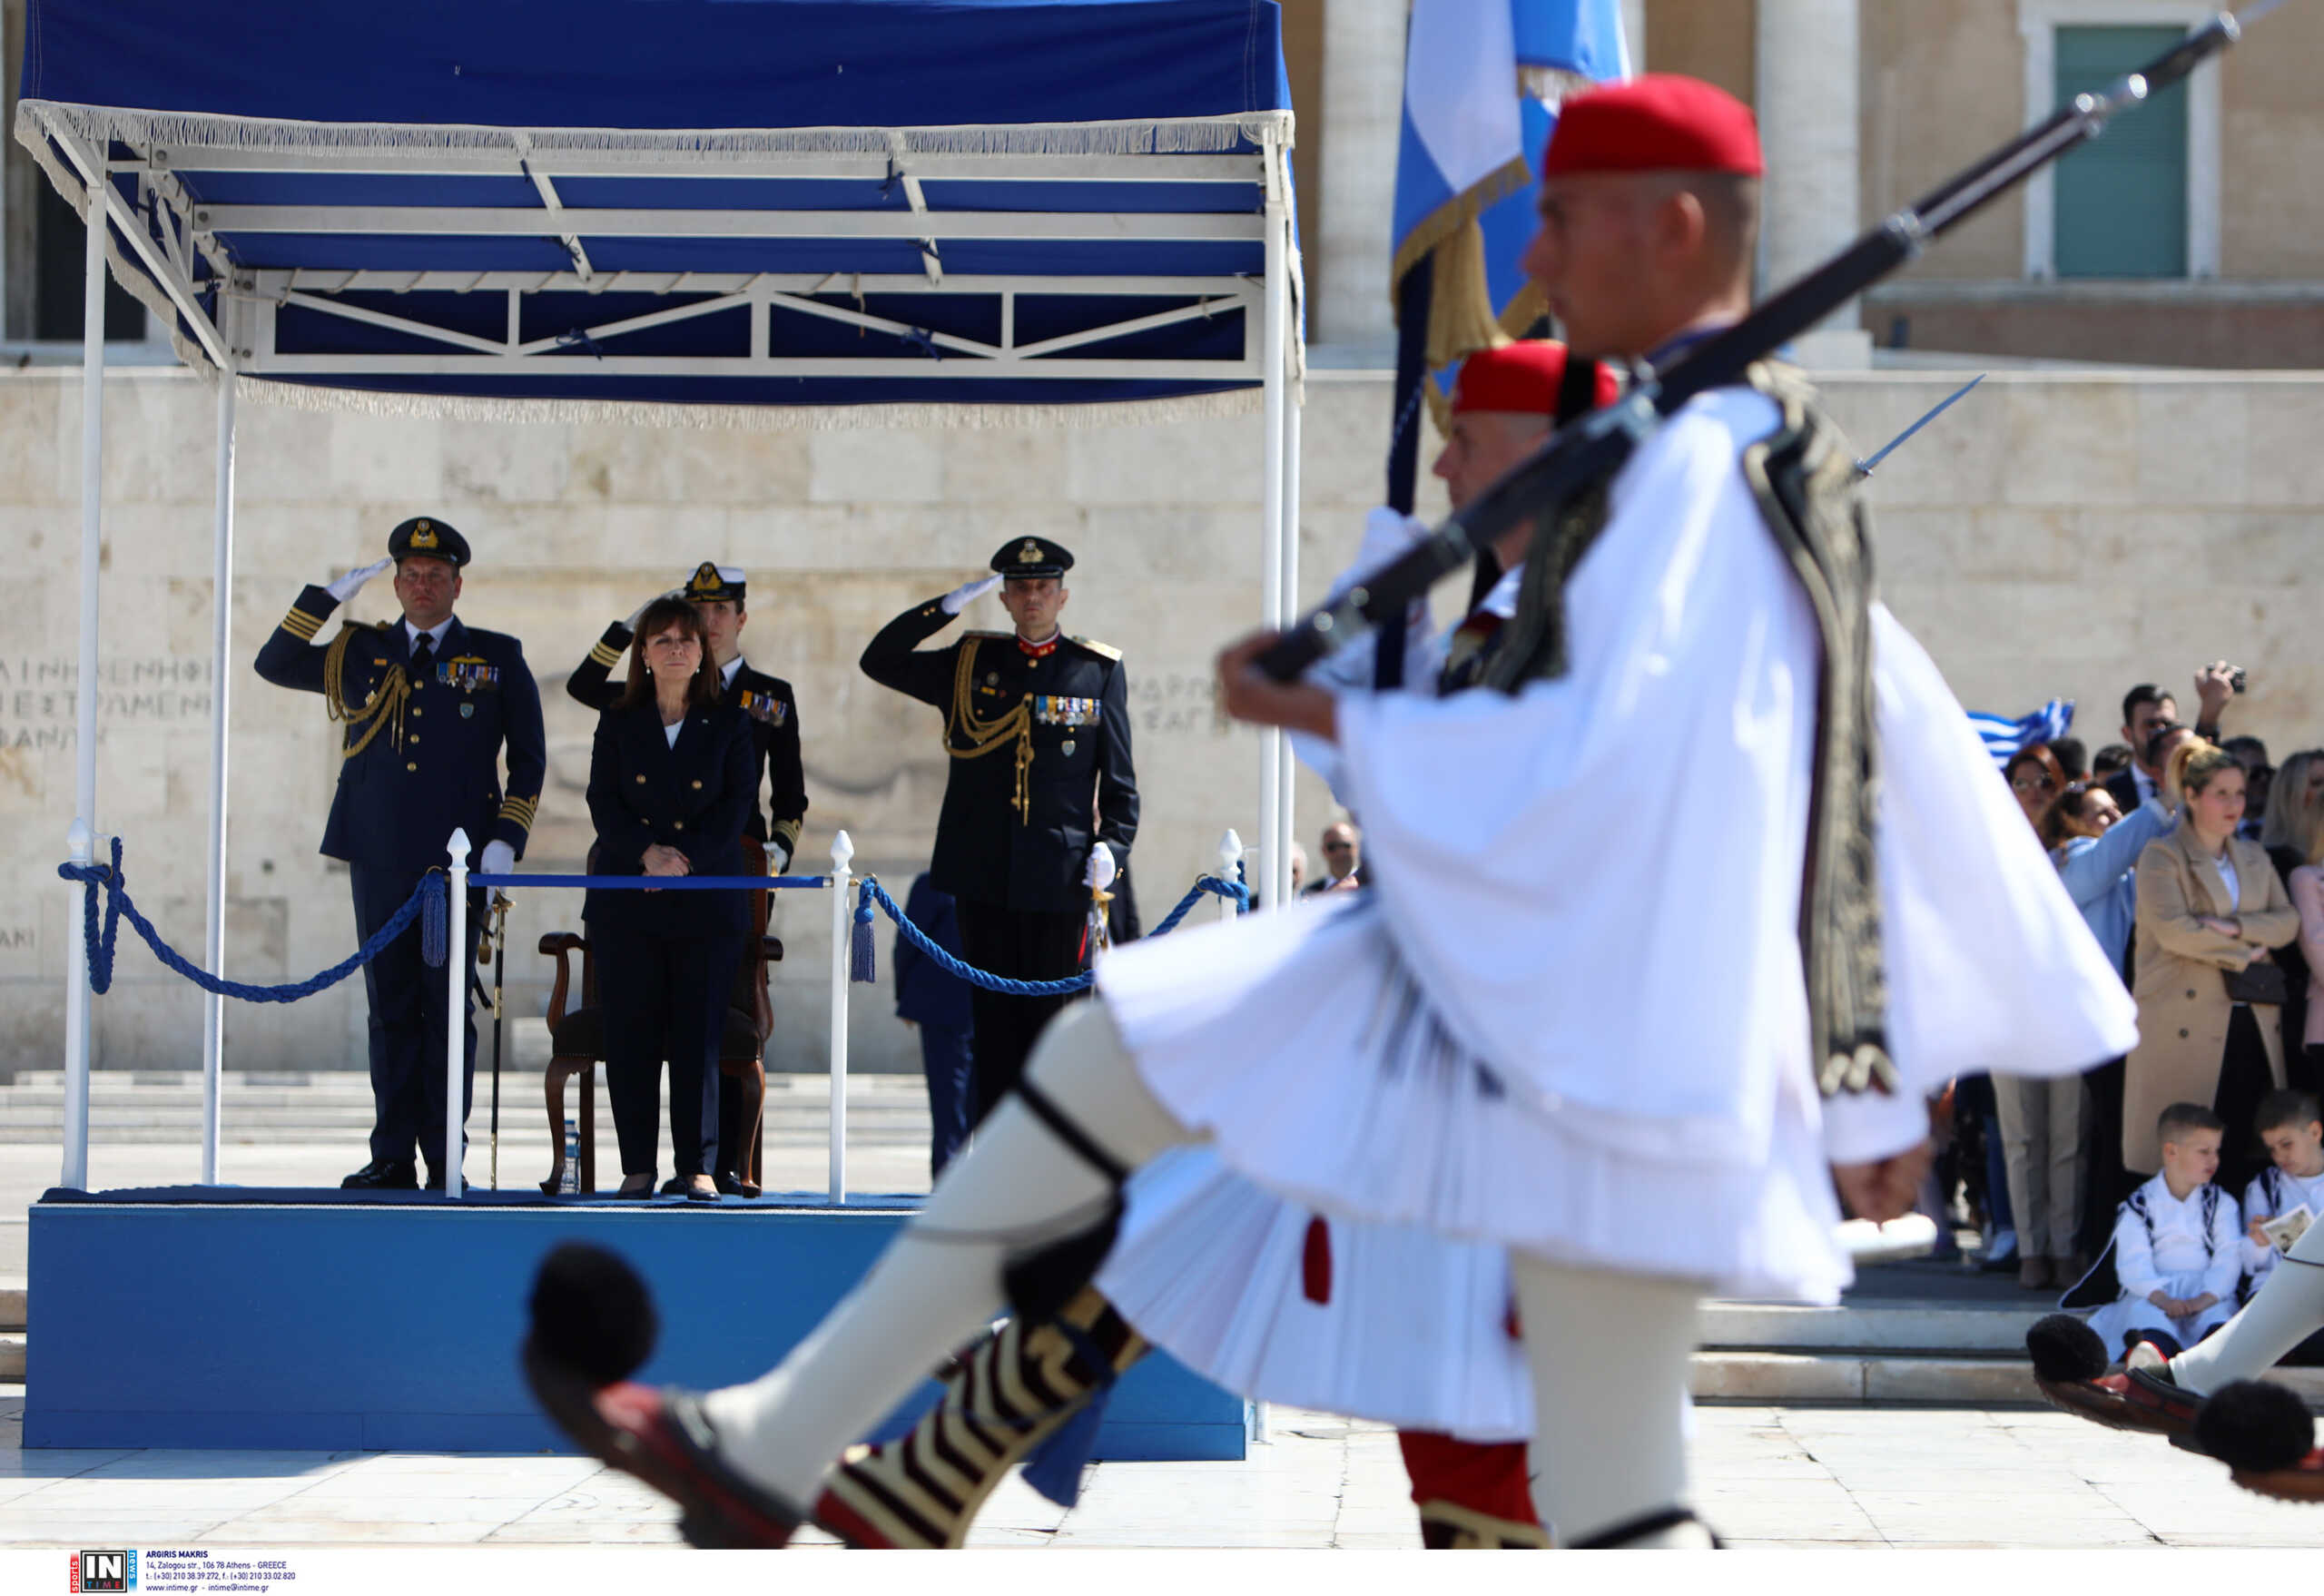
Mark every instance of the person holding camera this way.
pixel 2209 906
pixel 2147 707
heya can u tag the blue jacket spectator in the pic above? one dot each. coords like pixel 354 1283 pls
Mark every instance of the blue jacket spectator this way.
pixel 935 1004
pixel 2100 868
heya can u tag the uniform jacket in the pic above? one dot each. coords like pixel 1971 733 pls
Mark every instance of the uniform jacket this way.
pixel 775 733
pixel 985 852
pixel 401 797
pixel 694 797
pixel 2181 987
pixel 927 993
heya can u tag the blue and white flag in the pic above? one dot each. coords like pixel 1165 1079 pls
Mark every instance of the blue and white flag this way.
pixel 2005 737
pixel 1482 80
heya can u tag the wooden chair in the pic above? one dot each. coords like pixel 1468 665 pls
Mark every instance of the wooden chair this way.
pixel 577 1040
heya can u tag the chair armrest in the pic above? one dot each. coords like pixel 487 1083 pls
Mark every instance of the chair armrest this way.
pixel 558 944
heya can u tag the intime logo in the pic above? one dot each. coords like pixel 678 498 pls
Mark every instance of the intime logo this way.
pixel 104 1571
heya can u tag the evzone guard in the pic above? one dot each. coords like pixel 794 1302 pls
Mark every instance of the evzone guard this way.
pixel 1671 930
pixel 1291 1301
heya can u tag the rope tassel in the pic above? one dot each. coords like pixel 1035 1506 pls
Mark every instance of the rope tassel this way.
pixel 862 957
pixel 435 929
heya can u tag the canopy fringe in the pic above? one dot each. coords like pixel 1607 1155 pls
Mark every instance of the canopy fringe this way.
pixel 1167 136
pixel 867 417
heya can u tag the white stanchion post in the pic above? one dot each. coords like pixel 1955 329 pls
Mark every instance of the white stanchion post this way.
pixel 456 974
pixel 221 604
pixel 1230 854
pixel 843 921
pixel 81 848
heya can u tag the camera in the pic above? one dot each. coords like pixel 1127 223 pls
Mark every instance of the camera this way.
pixel 2236 679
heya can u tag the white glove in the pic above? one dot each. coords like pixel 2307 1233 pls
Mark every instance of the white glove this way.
pixel 631 623
pixel 1387 534
pixel 351 584
pixel 1102 869
pixel 778 858
pixel 954 602
pixel 499 859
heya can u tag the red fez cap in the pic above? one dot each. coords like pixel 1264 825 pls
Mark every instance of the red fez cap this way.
pixel 1663 121
pixel 1521 378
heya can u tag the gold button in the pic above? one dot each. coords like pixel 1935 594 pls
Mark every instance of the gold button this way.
pixel 679 823
pixel 411 767
pixel 641 781
pixel 415 712
pixel 413 738
pixel 697 787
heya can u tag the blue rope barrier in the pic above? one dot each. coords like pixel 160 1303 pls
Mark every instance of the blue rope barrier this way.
pixel 427 897
pixel 873 893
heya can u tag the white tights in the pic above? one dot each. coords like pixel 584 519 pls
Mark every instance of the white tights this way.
pixel 1607 1350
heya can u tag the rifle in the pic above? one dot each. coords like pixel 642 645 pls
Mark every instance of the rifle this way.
pixel 1593 448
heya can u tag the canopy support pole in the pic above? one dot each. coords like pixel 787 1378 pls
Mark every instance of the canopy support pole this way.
pixel 1286 787
pixel 1274 604
pixel 84 836
pixel 213 949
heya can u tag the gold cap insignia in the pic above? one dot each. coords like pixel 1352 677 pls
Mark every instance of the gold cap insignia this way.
pixel 423 536
pixel 1029 553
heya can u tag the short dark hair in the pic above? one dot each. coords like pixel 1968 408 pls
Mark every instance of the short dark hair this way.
pixel 2072 757
pixel 2114 756
pixel 2239 746
pixel 2182 1117
pixel 2289 1106
pixel 2144 693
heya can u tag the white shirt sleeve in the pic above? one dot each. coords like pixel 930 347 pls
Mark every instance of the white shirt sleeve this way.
pixel 2134 1257
pixel 2257 1256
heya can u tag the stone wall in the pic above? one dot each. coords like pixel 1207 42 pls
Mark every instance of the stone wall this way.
pixel 2054 535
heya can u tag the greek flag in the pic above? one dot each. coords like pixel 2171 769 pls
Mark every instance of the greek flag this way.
pixel 1482 80
pixel 2005 737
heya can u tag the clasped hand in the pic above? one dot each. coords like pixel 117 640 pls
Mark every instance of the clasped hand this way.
pixel 662 859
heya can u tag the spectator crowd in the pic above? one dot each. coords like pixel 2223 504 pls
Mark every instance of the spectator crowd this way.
pixel 2185 1168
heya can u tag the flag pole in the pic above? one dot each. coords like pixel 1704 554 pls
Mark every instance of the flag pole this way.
pixel 1413 299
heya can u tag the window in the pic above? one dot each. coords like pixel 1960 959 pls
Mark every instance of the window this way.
pixel 2142 200
pixel 2121 205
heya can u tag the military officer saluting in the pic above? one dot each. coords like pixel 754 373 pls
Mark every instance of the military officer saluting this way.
pixel 718 594
pixel 1041 804
pixel 429 704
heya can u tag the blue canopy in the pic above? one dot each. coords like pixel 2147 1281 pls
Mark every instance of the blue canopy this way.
pixel 690 203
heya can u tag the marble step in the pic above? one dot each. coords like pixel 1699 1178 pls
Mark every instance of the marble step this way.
pixel 1750 1377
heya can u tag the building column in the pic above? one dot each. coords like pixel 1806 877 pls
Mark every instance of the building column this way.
pixel 1634 33
pixel 1364 91
pixel 1808 127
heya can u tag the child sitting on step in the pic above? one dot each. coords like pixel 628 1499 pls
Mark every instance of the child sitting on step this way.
pixel 2178 1248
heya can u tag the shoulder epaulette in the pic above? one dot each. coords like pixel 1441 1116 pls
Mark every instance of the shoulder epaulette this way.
pixel 1102 650
pixel 996 635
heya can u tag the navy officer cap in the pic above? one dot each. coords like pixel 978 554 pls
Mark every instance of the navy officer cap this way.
pixel 426 535
pixel 1032 557
pixel 715 584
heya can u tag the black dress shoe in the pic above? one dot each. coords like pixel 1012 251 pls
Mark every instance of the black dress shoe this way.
pixel 701 1194
pixel 675 1186
pixel 383 1175
pixel 735 1186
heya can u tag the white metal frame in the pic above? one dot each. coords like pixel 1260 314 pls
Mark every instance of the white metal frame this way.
pixel 2038 20
pixel 239 341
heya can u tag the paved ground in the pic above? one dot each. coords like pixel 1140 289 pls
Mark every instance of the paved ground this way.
pixel 1834 1477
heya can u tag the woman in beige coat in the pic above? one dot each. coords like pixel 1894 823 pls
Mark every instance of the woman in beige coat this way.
pixel 2208 903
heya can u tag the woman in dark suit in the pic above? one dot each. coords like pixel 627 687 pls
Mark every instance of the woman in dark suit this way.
pixel 670 788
